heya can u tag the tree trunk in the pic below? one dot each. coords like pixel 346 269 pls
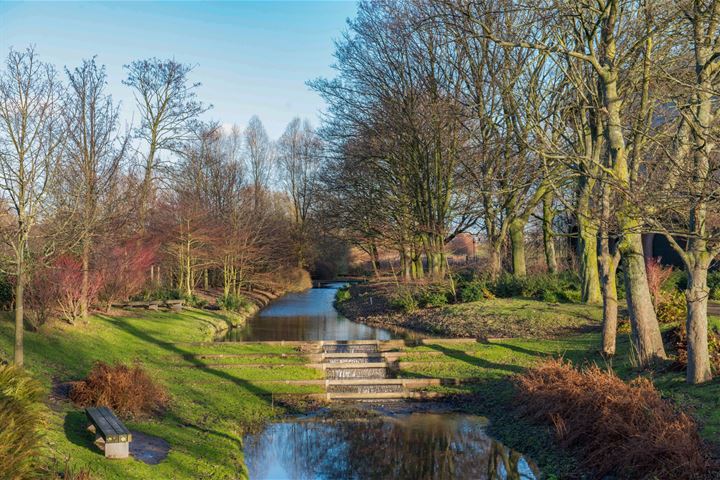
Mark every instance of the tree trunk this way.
pixel 85 286
pixel 548 237
pixel 517 242
pixel 495 260
pixel 610 304
pixel 645 327
pixel 19 314
pixel 589 274
pixel 697 293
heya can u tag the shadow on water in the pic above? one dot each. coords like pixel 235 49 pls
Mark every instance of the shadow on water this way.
pixel 417 446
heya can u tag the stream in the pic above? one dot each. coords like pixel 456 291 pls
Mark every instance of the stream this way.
pixel 404 444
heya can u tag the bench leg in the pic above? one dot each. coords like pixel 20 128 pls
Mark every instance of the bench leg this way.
pixel 117 450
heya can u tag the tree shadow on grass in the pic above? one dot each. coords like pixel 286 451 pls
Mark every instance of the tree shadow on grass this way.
pixel 505 369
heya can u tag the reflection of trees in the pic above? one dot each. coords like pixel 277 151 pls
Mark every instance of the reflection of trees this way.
pixel 419 446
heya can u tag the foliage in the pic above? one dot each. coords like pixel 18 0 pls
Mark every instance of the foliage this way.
pixel 404 301
pixel 672 308
pixel 472 291
pixel 7 293
pixel 553 288
pixel 678 336
pixel 434 296
pixel 195 301
pixel 657 275
pixel 678 282
pixel 343 294
pixel 125 269
pixel 21 422
pixel 235 303
pixel 159 293
pixel 127 390
pixel 594 413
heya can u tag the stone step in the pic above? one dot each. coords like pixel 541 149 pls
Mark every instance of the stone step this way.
pixel 380 396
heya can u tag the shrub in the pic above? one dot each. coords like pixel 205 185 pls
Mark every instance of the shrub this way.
pixel 343 294
pixel 159 293
pixel 195 301
pixel 234 303
pixel 678 336
pixel 672 308
pixel 560 287
pixel 432 297
pixel 657 276
pixel 127 390
pixel 615 428
pixel 21 419
pixel 473 291
pixel 404 300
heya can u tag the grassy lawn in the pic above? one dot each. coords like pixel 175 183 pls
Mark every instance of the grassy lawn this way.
pixel 210 407
pixel 215 400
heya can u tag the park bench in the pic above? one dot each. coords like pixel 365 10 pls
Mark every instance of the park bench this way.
pixel 107 426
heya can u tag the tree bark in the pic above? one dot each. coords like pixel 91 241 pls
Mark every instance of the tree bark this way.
pixel 548 237
pixel 85 286
pixel 697 293
pixel 589 274
pixel 517 241
pixel 19 353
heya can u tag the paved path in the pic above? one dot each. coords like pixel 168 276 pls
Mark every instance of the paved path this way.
pixel 714 309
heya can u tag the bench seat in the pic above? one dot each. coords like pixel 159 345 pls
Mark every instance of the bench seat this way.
pixel 107 426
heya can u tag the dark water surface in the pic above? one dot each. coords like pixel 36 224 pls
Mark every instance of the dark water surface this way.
pixel 307 315
pixel 417 446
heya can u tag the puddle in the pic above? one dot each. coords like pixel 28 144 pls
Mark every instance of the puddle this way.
pixel 414 446
pixel 148 448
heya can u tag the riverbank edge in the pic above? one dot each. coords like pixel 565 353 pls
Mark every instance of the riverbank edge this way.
pixel 494 398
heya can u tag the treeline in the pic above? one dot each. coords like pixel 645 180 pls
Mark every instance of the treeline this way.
pixel 97 212
pixel 449 117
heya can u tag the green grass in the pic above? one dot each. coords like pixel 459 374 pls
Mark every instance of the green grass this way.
pixel 210 407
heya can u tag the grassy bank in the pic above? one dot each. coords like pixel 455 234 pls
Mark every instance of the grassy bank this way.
pixel 210 407
pixel 532 330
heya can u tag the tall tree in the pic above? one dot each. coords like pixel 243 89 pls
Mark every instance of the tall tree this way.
pixel 168 106
pixel 259 151
pixel 31 130
pixel 94 151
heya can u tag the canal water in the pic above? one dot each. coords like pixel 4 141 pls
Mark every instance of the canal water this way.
pixel 390 445
pixel 308 315
pixel 417 446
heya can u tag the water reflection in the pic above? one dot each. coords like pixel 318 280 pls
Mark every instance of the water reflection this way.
pixel 413 447
pixel 307 315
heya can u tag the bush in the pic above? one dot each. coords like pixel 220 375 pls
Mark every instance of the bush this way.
pixel 554 288
pixel 623 429
pixel 21 419
pixel 404 300
pixel 160 293
pixel 235 303
pixel 678 336
pixel 195 301
pixel 473 291
pixel 432 297
pixel 343 294
pixel 127 390
pixel 672 308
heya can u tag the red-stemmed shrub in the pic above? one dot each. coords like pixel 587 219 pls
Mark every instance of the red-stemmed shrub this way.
pixel 126 269
pixel 615 428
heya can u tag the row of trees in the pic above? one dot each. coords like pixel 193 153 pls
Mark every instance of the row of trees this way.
pixel 472 116
pixel 96 212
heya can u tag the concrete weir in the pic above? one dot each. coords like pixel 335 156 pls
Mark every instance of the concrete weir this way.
pixel 355 370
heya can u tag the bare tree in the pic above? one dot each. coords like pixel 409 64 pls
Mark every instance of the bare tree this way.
pixel 259 156
pixel 95 149
pixel 30 138
pixel 168 106
pixel 299 156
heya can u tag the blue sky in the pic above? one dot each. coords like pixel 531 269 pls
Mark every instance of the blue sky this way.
pixel 251 57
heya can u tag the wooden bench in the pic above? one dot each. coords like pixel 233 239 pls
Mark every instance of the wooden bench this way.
pixel 107 426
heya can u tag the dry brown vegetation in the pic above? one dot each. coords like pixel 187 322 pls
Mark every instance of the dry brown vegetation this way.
pixel 614 427
pixel 127 390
